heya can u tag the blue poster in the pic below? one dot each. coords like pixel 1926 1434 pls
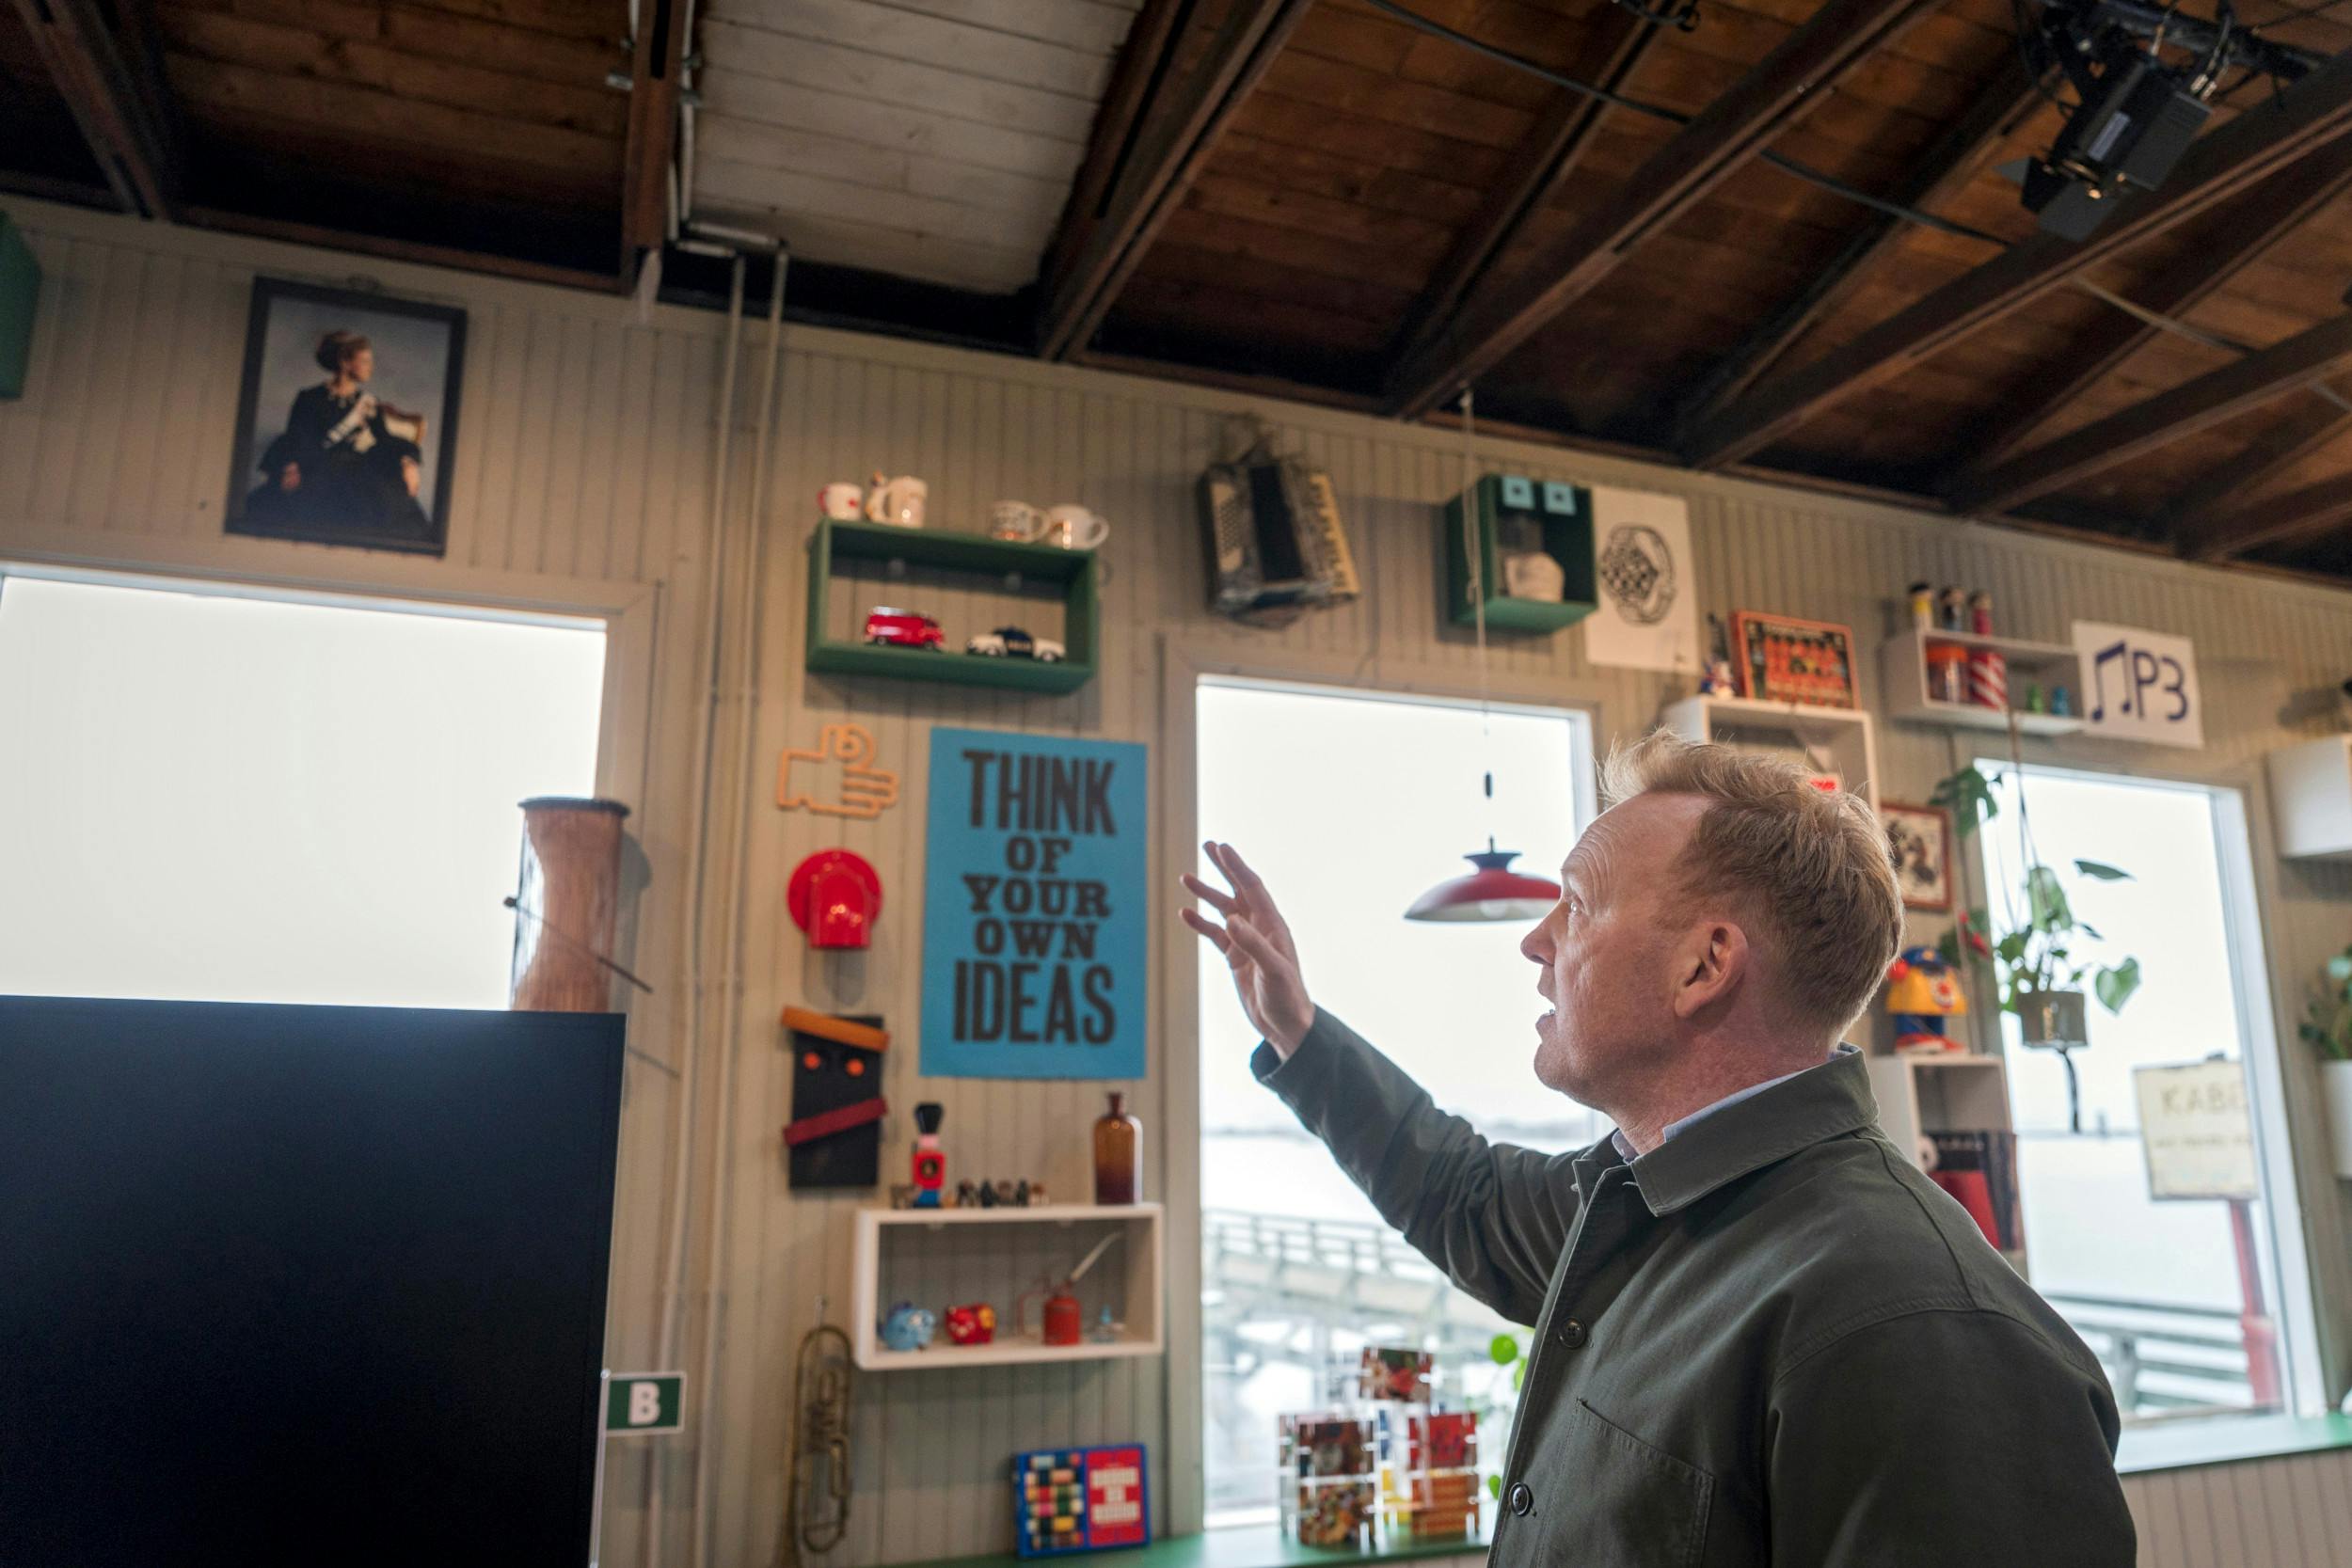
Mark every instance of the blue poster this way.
pixel 1035 929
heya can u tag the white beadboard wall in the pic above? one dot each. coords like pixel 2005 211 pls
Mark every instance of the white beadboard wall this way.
pixel 582 480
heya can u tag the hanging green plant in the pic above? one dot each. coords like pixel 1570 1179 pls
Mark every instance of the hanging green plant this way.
pixel 1968 795
pixel 2327 1024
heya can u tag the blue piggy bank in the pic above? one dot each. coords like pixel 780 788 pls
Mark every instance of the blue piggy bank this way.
pixel 908 1327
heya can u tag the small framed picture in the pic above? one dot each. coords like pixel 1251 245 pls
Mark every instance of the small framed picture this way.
pixel 1920 840
pixel 346 417
pixel 1782 659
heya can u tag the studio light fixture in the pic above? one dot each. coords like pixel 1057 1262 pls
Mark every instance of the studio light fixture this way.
pixel 1494 891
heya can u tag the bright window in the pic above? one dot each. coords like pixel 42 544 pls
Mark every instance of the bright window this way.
pixel 208 797
pixel 2188 1304
pixel 1351 806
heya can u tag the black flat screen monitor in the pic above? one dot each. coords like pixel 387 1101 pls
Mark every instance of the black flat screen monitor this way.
pixel 301 1285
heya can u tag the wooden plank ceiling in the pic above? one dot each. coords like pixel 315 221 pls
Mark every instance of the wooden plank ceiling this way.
pixel 1335 200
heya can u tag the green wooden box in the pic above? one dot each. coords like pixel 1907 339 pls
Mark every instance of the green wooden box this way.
pixel 19 291
pixel 1074 571
pixel 1561 515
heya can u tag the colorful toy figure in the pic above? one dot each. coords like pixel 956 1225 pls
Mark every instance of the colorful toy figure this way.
pixel 1720 679
pixel 908 1327
pixel 931 1164
pixel 975 1324
pixel 1922 990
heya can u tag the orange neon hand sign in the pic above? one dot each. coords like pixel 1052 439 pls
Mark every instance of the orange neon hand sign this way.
pixel 837 782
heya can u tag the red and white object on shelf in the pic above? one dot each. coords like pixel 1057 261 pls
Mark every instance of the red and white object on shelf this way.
pixel 1988 679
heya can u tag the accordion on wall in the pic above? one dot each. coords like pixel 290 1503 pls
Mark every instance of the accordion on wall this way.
pixel 1274 541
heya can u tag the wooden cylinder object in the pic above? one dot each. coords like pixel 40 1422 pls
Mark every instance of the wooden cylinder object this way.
pixel 568 900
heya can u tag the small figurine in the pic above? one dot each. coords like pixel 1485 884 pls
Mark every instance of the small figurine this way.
pixel 1037 1195
pixel 2061 702
pixel 1004 1194
pixel 1981 612
pixel 1718 680
pixel 901 1195
pixel 1951 607
pixel 908 1327
pixel 1922 992
pixel 886 627
pixel 988 1195
pixel 931 1165
pixel 967 1196
pixel 1021 1194
pixel 1105 1331
pixel 975 1324
pixel 1922 606
pixel 2035 701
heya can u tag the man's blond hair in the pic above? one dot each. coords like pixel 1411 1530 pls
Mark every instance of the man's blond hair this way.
pixel 1808 866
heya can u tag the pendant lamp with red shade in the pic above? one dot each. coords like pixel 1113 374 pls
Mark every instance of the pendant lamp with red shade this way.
pixel 1494 891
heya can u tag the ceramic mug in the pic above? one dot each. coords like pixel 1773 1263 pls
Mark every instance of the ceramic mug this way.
pixel 897 502
pixel 1016 522
pixel 843 504
pixel 1074 528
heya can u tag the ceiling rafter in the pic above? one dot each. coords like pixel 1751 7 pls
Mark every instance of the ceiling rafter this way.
pixel 2002 106
pixel 112 88
pixel 2198 521
pixel 2310 512
pixel 656 56
pixel 2250 226
pixel 1503 312
pixel 1173 134
pixel 2198 404
pixel 2247 151
pixel 1542 160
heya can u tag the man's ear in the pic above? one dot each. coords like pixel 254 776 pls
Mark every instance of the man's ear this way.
pixel 1712 963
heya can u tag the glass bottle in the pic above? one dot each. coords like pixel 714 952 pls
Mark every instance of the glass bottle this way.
pixel 1118 1150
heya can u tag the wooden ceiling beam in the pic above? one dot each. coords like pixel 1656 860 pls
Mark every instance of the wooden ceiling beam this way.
pixel 2200 520
pixel 656 56
pixel 1503 312
pixel 2002 106
pixel 2248 150
pixel 2253 224
pixel 112 88
pixel 1545 158
pixel 1171 137
pixel 2310 512
pixel 1144 62
pixel 2194 405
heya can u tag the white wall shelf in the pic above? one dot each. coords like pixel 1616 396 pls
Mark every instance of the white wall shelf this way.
pixel 2310 798
pixel 1947 1091
pixel 1903 678
pixel 943 1258
pixel 1838 740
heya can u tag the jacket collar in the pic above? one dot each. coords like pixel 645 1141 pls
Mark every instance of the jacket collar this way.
pixel 1820 1103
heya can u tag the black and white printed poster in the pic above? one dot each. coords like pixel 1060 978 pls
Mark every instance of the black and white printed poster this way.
pixel 1648 615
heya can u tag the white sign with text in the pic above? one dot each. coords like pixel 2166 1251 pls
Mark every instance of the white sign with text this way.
pixel 2195 1131
pixel 2139 684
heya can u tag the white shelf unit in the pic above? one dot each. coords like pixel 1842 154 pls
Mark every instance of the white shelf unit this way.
pixel 1904 677
pixel 1835 740
pixel 2310 798
pixel 1948 1091
pixel 943 1258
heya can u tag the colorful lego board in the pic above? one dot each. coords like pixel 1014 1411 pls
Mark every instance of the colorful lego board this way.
pixel 1080 1499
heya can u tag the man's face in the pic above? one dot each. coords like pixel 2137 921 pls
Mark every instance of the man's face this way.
pixel 1606 951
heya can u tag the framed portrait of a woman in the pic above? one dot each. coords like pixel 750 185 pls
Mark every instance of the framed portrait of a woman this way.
pixel 348 417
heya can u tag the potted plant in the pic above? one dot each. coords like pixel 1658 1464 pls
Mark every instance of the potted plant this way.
pixel 2038 970
pixel 2328 1028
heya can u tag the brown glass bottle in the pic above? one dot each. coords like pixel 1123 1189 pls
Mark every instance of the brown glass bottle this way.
pixel 1118 1155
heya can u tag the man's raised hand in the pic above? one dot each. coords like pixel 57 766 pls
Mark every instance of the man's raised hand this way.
pixel 1257 944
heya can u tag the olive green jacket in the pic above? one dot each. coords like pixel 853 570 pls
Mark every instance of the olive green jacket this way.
pixel 1770 1339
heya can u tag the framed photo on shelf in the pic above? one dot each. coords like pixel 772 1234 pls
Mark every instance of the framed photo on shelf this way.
pixel 346 417
pixel 1783 659
pixel 1919 838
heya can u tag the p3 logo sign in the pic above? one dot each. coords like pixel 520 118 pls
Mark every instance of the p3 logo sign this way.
pixel 2139 684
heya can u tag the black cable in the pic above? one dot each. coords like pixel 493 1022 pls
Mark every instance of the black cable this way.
pixel 1789 165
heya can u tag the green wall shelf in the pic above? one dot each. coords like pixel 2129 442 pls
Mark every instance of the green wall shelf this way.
pixel 1073 571
pixel 1562 513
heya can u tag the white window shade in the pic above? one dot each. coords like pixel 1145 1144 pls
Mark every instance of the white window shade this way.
pixel 208 797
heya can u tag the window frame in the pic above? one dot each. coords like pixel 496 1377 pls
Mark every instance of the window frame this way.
pixel 2262 997
pixel 1186 666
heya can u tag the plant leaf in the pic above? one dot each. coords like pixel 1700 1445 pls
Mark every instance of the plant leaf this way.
pixel 2115 986
pixel 2090 931
pixel 2047 900
pixel 2103 871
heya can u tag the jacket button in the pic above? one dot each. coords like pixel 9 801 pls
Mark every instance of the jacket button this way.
pixel 1522 1501
pixel 1572 1334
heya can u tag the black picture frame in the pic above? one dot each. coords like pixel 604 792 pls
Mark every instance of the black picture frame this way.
pixel 364 511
